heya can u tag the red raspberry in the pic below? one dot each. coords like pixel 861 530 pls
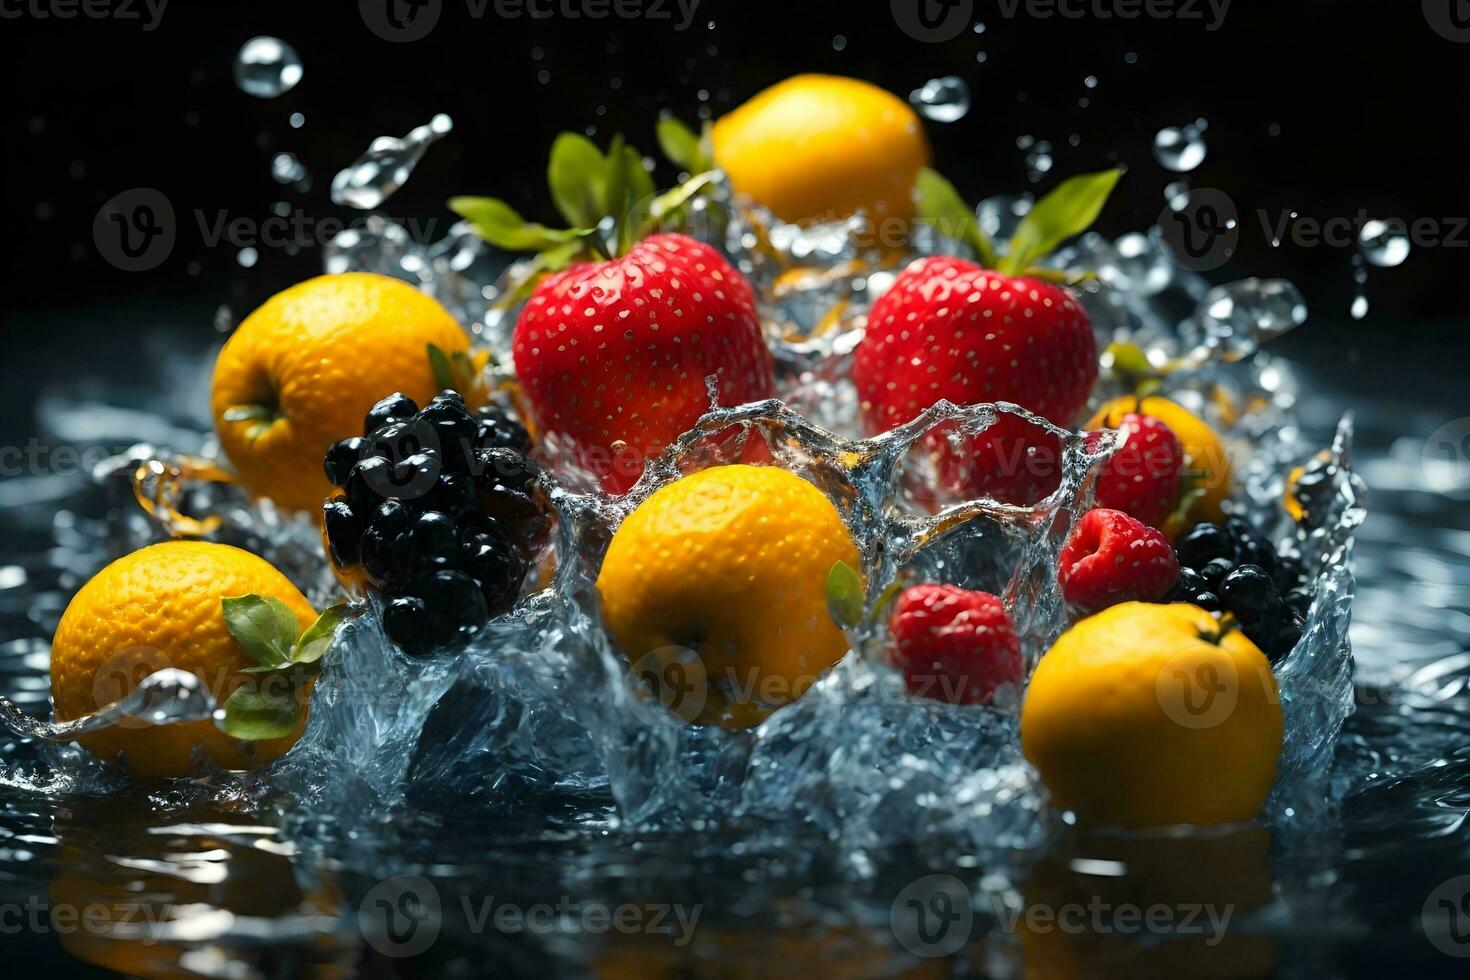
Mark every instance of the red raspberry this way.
pixel 953 644
pixel 1142 477
pixel 1111 558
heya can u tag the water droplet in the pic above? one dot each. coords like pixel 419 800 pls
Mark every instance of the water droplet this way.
pixel 544 77
pixel 1359 308
pixel 386 165
pixel 1178 194
pixel 1090 81
pixel 979 27
pixel 981 57
pixel 1384 243
pixel 267 67
pixel 943 100
pixel 1237 318
pixel 1180 148
pixel 247 257
pixel 839 43
pixel 224 319
pixel 1130 58
pixel 297 120
pixel 998 216
pixel 1038 157
pixel 287 169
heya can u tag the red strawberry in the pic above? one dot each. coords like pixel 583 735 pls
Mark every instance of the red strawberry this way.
pixel 953 644
pixel 1112 558
pixel 950 329
pixel 1142 477
pixel 613 356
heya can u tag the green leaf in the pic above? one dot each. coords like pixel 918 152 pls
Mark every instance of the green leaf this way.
pixel 941 206
pixel 880 604
pixel 577 174
pixel 501 225
pixel 844 595
pixel 251 715
pixel 443 370
pixel 640 181
pixel 1129 359
pixel 1068 210
pixel 264 625
pixel 615 180
pixel 680 144
pixel 318 636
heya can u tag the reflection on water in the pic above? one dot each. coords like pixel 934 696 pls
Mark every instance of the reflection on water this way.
pixel 197 877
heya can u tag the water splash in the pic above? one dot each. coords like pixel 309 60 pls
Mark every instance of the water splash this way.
pixel 1180 148
pixel 1384 243
pixel 267 67
pixel 1038 157
pixel 944 100
pixel 386 165
pixel 165 697
pixel 1235 319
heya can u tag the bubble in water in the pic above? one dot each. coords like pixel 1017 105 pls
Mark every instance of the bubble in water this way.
pixel 1240 316
pixel 387 164
pixel 998 216
pixel 943 100
pixel 286 168
pixel 1384 243
pixel 267 67
pixel 1038 157
pixel 1180 148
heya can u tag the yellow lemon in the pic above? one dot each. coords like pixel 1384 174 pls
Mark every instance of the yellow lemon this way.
pixel 721 577
pixel 155 608
pixel 821 147
pixel 1143 716
pixel 1204 453
pixel 302 370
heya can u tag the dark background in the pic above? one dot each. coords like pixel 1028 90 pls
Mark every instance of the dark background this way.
pixel 1373 110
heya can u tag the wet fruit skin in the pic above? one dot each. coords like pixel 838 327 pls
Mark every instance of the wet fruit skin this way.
pixel 1236 569
pixel 1139 717
pixel 954 644
pixel 1142 477
pixel 731 562
pixel 948 329
pixel 1111 557
pixel 613 356
pixel 1205 455
pixel 438 515
pixel 314 358
pixel 160 607
pixel 821 147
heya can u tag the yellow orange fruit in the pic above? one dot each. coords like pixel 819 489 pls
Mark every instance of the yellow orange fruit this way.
pixel 160 607
pixel 1144 716
pixel 723 573
pixel 821 147
pixel 1205 455
pixel 302 370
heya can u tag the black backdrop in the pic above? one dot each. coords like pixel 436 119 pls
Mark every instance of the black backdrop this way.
pixel 1318 107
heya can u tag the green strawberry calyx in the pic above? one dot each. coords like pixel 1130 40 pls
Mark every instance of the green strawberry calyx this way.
pixel 1067 210
pixel 286 659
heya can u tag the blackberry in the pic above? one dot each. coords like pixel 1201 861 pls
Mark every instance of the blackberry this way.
pixel 341 457
pixel 397 407
pixel 1251 546
pixel 441 511
pixel 1248 592
pixel 1214 573
pixel 1203 544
